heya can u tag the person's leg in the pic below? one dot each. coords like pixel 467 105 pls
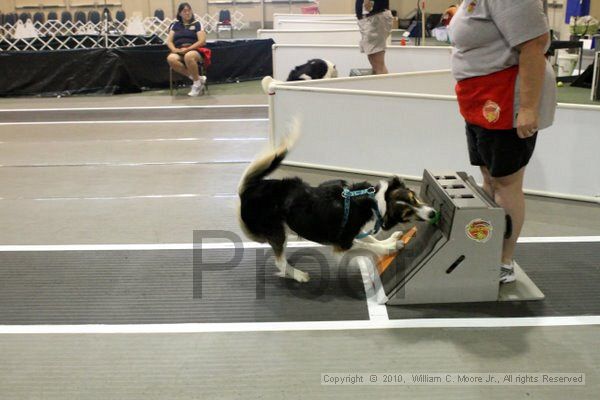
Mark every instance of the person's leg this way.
pixel 508 193
pixel 175 61
pixel 192 58
pixel 377 61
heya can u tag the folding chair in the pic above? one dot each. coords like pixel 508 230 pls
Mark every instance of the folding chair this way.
pixel 11 18
pixel 159 14
pixel 120 16
pixel 94 17
pixel 80 17
pixel 39 17
pixel 224 23
pixel 24 16
pixel 65 17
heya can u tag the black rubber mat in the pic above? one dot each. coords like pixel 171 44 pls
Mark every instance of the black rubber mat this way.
pixel 114 287
pixel 137 114
pixel 118 287
pixel 567 273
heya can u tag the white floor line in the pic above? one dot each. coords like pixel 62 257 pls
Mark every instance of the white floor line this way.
pixel 560 239
pixel 157 140
pixel 11 110
pixel 303 326
pixel 165 121
pixel 128 164
pixel 142 246
pixel 229 245
pixel 140 197
pixel 373 290
pixel 241 139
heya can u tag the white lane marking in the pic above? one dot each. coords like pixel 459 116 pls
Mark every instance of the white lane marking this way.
pixel 376 298
pixel 186 139
pixel 128 164
pixel 133 108
pixel 229 245
pixel 165 121
pixel 559 239
pixel 152 246
pixel 303 325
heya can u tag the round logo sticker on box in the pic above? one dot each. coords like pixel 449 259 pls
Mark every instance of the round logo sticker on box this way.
pixel 479 230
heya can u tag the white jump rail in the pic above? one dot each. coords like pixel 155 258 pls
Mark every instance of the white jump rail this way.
pixel 347 57
pixel 277 17
pixel 330 36
pixel 299 24
pixel 404 123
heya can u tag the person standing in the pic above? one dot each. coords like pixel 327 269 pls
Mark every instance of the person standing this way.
pixel 375 24
pixel 506 92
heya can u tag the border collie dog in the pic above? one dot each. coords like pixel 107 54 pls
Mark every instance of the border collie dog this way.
pixel 312 69
pixel 322 214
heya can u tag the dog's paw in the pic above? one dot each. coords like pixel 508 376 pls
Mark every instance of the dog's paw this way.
pixel 297 275
pixel 301 276
pixel 392 247
pixel 397 235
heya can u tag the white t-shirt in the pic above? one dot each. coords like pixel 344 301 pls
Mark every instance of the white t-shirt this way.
pixel 485 34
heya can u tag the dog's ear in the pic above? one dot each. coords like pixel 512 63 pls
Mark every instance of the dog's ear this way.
pixel 396 183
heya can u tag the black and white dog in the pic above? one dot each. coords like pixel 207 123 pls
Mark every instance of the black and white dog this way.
pixel 312 69
pixel 319 214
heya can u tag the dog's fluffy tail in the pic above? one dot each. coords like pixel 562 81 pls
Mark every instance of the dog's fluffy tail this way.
pixel 268 162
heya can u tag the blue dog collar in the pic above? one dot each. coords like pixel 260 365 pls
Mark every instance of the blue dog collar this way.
pixel 347 194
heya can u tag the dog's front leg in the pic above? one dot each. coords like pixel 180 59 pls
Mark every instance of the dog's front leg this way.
pixel 379 248
pixel 392 239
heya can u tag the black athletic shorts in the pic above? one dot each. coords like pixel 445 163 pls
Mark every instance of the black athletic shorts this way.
pixel 503 152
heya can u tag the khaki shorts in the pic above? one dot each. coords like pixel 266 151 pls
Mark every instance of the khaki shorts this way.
pixel 375 31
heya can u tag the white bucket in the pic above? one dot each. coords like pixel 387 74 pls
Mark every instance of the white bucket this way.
pixel 566 63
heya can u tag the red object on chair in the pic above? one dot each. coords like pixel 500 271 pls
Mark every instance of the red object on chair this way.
pixel 310 10
pixel 206 55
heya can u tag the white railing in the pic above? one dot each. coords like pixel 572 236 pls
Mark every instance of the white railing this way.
pixel 56 35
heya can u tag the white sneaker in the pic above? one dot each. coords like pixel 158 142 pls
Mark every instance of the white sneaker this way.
pixel 196 88
pixel 507 273
pixel 202 78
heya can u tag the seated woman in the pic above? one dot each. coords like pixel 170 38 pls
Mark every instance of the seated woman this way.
pixel 186 37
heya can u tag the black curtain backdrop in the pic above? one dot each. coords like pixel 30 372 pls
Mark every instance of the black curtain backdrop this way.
pixel 124 69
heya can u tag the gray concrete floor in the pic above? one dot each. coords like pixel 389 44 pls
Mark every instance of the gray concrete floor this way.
pixel 105 204
pixel 288 365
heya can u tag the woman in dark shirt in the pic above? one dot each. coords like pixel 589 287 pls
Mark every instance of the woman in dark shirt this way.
pixel 186 35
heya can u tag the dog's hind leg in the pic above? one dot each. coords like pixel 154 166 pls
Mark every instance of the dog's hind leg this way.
pixel 285 270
